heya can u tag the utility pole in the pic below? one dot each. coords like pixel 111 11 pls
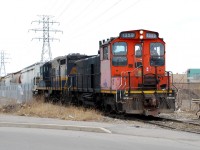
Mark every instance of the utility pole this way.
pixel 2 67
pixel 46 38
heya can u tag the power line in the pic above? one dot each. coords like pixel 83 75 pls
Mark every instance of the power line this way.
pixel 46 29
pixel 92 21
pixel 81 13
pixel 51 7
pixel 100 15
pixel 108 20
pixel 66 7
pixel 122 11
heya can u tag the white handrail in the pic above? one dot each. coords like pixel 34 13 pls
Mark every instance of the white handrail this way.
pixel 124 80
pixel 125 73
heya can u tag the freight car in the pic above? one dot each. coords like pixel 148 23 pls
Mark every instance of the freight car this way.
pixel 28 75
pixel 128 75
pixel 6 80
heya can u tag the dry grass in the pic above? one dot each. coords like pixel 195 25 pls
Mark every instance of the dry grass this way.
pixel 48 110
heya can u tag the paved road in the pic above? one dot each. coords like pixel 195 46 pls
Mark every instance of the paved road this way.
pixel 47 139
pixel 44 133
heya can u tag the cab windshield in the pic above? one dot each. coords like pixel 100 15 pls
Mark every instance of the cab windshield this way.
pixel 157 54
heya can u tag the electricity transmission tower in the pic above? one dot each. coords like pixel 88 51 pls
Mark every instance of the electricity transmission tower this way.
pixel 2 67
pixel 46 38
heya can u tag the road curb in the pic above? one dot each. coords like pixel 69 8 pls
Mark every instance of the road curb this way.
pixel 55 126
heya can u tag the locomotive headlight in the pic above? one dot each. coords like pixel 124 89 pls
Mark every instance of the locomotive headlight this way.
pixel 141 31
pixel 141 36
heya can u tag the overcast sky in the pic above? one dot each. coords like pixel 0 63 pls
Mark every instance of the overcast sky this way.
pixel 85 22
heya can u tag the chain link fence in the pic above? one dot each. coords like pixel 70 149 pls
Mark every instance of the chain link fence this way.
pixel 186 93
pixel 18 92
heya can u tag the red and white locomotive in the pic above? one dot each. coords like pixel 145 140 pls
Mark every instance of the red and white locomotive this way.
pixel 133 68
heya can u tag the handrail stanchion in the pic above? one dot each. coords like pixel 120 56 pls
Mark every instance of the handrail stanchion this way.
pixel 119 86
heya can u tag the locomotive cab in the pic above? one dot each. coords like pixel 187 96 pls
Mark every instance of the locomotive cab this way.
pixel 133 67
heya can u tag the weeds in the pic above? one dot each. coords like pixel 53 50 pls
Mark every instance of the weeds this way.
pixel 39 108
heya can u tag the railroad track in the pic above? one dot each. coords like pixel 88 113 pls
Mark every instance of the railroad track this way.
pixel 167 123
pixel 180 125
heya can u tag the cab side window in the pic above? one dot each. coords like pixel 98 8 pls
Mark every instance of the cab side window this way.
pixel 119 51
pixel 105 53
